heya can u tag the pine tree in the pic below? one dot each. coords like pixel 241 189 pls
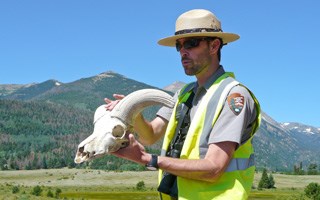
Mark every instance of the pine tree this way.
pixel 44 163
pixel 312 169
pixel 266 181
pixel 271 181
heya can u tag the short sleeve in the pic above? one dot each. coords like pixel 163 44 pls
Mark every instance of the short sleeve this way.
pixel 165 112
pixel 237 116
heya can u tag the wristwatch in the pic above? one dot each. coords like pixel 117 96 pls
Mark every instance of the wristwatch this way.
pixel 153 164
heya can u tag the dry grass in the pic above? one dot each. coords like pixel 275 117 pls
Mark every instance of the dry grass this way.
pixel 283 181
pixel 72 182
pixel 82 181
pixel 77 178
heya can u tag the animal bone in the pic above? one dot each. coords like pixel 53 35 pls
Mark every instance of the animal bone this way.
pixel 110 127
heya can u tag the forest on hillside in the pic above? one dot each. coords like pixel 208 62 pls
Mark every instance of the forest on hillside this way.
pixel 42 135
pixel 45 135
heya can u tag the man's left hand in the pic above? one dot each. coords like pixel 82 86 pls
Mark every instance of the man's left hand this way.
pixel 134 152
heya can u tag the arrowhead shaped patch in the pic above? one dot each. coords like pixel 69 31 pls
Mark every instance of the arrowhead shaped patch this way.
pixel 236 103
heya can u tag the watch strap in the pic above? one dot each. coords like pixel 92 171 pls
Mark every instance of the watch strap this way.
pixel 153 162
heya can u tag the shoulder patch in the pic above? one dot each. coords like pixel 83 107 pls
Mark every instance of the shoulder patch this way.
pixel 236 103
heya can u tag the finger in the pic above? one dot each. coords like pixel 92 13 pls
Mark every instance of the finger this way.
pixel 107 100
pixel 118 96
pixel 132 139
pixel 111 105
pixel 108 107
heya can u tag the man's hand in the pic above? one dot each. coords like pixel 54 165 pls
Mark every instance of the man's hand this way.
pixel 134 152
pixel 112 103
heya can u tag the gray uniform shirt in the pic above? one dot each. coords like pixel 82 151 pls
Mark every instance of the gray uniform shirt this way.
pixel 231 125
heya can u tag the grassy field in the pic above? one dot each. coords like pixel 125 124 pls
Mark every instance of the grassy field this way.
pixel 99 184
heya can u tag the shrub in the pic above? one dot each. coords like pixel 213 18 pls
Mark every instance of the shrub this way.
pixel 37 190
pixel 15 189
pixel 140 185
pixel 313 191
pixel 58 192
pixel 49 194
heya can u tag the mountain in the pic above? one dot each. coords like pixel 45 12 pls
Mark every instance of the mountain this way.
pixel 30 91
pixel 86 93
pixel 308 136
pixel 280 146
pixel 27 113
pixel 6 90
pixel 174 86
pixel 41 124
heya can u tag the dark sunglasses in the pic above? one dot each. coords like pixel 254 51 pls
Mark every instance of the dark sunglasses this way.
pixel 191 43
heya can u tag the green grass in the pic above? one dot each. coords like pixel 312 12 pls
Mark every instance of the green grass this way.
pixel 99 184
pixel 112 195
pixel 279 194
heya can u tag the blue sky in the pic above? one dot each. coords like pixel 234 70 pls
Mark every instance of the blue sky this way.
pixel 277 56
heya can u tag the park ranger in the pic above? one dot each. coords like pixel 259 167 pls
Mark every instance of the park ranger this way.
pixel 207 151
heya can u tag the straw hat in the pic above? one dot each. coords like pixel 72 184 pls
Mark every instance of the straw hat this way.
pixel 198 23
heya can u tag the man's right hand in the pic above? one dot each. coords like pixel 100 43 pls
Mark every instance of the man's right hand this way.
pixel 112 103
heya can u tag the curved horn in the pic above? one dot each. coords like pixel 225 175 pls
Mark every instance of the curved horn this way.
pixel 128 108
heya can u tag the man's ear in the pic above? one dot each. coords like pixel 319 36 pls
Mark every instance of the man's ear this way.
pixel 215 45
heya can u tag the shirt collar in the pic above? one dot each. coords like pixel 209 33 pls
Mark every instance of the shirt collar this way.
pixel 220 71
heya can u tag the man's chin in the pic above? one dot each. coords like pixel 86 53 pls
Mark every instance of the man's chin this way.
pixel 189 72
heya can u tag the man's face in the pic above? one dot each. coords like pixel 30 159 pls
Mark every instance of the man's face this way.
pixel 195 55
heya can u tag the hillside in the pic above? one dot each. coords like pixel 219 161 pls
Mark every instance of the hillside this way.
pixel 40 135
pixel 43 123
pixel 86 93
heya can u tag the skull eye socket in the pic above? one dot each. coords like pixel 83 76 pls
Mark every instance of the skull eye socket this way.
pixel 118 131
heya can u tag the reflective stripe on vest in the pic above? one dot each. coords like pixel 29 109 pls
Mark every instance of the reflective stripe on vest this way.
pixel 240 163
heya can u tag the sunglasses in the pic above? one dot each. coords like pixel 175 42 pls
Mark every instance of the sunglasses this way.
pixel 191 43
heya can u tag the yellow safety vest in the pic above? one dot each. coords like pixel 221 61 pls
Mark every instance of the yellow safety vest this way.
pixel 236 181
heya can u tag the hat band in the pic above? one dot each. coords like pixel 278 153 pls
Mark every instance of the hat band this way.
pixel 197 30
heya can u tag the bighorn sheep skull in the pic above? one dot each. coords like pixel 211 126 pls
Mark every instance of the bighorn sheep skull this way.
pixel 110 127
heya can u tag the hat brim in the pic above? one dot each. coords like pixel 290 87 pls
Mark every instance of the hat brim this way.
pixel 226 37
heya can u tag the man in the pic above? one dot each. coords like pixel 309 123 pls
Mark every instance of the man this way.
pixel 207 151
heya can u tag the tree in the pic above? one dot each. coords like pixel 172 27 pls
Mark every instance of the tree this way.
pixel 266 181
pixel 312 169
pixel 3 164
pixel 271 181
pixel 28 166
pixel 313 191
pixel 44 163
pixel 298 170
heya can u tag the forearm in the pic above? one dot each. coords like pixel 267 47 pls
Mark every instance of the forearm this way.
pixel 208 169
pixel 199 169
pixel 149 132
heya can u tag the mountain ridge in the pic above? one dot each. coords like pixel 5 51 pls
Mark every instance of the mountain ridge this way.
pixel 278 146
